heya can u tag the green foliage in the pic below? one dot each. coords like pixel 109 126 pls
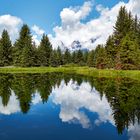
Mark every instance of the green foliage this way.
pixel 67 57
pixel 5 49
pixel 100 57
pixel 23 48
pixel 91 59
pixel 44 51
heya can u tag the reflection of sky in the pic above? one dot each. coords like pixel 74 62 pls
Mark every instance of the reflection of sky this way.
pixel 75 103
pixel 72 98
pixel 12 107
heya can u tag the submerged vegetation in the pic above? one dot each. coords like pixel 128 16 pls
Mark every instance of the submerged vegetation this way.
pixel 121 51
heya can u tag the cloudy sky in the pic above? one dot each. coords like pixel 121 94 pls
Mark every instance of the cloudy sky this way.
pixel 64 20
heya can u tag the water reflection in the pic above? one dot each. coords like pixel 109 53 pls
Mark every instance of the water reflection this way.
pixel 113 101
pixel 72 98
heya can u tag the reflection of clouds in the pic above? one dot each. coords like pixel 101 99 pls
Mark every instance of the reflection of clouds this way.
pixel 134 132
pixel 72 98
pixel 36 98
pixel 12 107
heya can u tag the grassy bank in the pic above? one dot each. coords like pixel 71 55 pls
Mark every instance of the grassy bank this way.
pixel 77 70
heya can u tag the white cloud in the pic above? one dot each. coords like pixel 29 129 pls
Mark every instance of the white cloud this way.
pixel 36 98
pixel 72 98
pixel 72 28
pixel 11 24
pixel 35 39
pixel 12 107
pixel 38 30
pixel 134 132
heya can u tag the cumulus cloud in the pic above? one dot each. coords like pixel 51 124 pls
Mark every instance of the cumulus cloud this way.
pixel 12 107
pixel 134 131
pixel 98 29
pixel 12 24
pixel 36 98
pixel 72 98
pixel 38 32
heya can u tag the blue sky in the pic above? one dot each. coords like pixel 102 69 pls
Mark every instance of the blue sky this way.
pixel 65 21
pixel 45 13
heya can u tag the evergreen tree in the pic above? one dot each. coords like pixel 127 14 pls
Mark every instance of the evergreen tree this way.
pixel 54 60
pixel 73 57
pixel 130 53
pixel 91 59
pixel 100 57
pixel 67 57
pixel 5 49
pixel 122 27
pixel 79 57
pixel 44 51
pixel 59 56
pixel 110 50
pixel 23 50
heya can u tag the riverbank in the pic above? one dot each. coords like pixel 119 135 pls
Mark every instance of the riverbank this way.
pixel 77 70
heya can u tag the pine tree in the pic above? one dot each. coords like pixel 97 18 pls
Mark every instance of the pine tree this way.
pixel 6 49
pixel 60 56
pixel 1 55
pixel 23 50
pixel 44 51
pixel 122 27
pixel 73 57
pixel 91 59
pixel 79 58
pixel 130 52
pixel 110 50
pixel 67 57
pixel 54 59
pixel 100 57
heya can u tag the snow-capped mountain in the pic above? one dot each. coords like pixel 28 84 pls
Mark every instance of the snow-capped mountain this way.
pixel 77 45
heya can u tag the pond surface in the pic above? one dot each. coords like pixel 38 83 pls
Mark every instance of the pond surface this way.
pixel 68 107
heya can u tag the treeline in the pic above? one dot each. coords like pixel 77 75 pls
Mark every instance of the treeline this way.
pixel 121 51
pixel 25 53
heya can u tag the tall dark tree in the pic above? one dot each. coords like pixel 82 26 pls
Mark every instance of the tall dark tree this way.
pixel 44 51
pixel 6 49
pixel 100 57
pixel 110 50
pixel 79 57
pixel 91 59
pixel 23 48
pixel 59 56
pixel 67 57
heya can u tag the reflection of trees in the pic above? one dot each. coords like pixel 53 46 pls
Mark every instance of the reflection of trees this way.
pixel 124 98
pixel 123 95
pixel 25 85
pixel 5 91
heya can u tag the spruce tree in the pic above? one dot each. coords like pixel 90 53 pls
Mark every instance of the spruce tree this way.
pixel 67 57
pixel 91 59
pixel 100 57
pixel 44 51
pixel 60 56
pixel 6 49
pixel 23 50
pixel 110 50
pixel 54 60
pixel 122 27
pixel 79 58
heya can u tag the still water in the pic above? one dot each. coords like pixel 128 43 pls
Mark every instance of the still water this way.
pixel 68 107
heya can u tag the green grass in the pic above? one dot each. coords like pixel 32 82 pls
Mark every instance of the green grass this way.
pixel 77 70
